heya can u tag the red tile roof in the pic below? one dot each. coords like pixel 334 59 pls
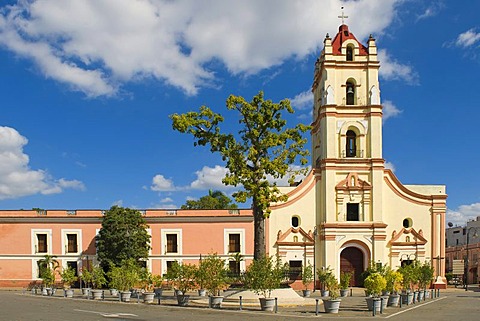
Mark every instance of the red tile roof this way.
pixel 342 35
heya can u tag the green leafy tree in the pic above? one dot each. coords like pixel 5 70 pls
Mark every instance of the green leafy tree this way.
pixel 262 147
pixel 215 200
pixel 123 236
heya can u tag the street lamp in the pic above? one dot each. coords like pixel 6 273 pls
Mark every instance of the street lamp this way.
pixel 466 261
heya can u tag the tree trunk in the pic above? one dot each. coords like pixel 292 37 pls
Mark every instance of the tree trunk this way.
pixel 259 246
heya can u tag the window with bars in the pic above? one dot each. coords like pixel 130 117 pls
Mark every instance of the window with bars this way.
pixel 72 243
pixel 172 243
pixel 234 243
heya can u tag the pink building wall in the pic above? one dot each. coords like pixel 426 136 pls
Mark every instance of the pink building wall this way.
pixel 202 233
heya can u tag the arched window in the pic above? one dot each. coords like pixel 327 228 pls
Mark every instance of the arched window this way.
pixel 350 93
pixel 349 53
pixel 351 144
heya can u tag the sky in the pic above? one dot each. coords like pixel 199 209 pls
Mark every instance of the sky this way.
pixel 87 87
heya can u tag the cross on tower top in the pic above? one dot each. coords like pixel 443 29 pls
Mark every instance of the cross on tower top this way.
pixel 343 16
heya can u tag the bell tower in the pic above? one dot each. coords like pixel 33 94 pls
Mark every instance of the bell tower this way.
pixel 347 129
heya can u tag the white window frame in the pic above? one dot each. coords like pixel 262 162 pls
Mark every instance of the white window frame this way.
pixel 226 241
pixel 78 232
pixel 164 264
pixel 34 239
pixel 163 243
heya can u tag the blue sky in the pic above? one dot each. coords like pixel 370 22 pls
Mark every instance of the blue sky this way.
pixel 86 88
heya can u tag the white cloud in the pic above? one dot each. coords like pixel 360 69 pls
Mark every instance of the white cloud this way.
pixel 96 46
pixel 17 179
pixel 389 110
pixel 431 11
pixel 303 100
pixel 467 38
pixel 390 166
pixel 162 184
pixel 166 200
pixel 390 69
pixel 118 203
pixel 463 213
pixel 210 178
pixel 284 180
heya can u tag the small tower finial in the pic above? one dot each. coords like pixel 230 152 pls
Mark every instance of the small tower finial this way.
pixel 343 16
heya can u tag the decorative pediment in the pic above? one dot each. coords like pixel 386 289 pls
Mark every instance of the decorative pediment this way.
pixel 407 237
pixel 352 182
pixel 295 236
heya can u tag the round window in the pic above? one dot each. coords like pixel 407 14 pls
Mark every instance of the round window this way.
pixel 295 221
pixel 407 223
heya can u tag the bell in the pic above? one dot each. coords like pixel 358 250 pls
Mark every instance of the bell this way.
pixel 350 90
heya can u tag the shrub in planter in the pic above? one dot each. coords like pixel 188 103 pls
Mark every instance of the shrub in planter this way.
pixel 86 277
pixel 332 305
pixel 324 274
pixel 307 279
pixel 345 278
pixel 264 275
pixel 394 285
pixel 124 277
pixel 216 277
pixel 425 275
pixel 182 277
pixel 374 285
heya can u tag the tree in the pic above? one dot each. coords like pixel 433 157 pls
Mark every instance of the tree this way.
pixel 123 236
pixel 215 200
pixel 263 146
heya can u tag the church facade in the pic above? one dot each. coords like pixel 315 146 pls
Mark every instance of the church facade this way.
pixel 351 211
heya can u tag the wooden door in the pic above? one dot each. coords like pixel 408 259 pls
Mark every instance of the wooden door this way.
pixel 351 259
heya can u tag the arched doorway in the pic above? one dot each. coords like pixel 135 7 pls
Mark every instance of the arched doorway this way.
pixel 351 259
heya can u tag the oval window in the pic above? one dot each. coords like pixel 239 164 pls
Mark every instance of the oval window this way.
pixel 407 223
pixel 295 221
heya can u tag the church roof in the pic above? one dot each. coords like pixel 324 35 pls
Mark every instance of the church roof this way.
pixel 342 35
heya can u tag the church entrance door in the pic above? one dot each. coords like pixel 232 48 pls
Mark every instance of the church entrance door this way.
pixel 351 259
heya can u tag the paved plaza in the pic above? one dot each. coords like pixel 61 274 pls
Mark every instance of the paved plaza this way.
pixel 452 304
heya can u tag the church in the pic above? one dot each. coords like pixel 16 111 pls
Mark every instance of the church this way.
pixel 348 213
pixel 351 211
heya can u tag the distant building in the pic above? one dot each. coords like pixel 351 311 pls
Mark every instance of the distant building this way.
pixel 456 239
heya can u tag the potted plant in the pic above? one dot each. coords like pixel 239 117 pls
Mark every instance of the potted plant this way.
pixel 157 281
pixel 332 304
pixel 98 281
pixel 394 283
pixel 409 275
pixel 307 279
pixel 68 277
pixel 124 277
pixel 147 282
pixel 48 276
pixel 425 275
pixel 183 277
pixel 86 277
pixel 324 274
pixel 47 268
pixel 345 278
pixel 215 278
pixel 374 285
pixel 201 279
pixel 262 276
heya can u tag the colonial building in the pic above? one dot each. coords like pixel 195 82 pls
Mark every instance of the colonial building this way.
pixel 176 235
pixel 351 211
pixel 464 242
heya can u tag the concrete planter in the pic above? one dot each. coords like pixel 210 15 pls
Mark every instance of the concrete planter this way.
pixel 125 296
pixel 215 302
pixel 331 306
pixel 267 304
pixel 148 297
pixel 182 300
